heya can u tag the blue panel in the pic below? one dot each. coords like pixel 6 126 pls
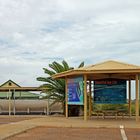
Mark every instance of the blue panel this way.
pixel 110 91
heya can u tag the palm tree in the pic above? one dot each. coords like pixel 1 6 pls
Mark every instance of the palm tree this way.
pixel 55 88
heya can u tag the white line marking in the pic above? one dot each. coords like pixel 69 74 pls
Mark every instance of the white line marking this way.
pixel 124 137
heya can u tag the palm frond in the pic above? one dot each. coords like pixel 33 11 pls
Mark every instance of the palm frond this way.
pixel 49 72
pixel 55 88
pixel 81 65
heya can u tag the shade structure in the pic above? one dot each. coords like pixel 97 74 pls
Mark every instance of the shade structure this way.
pixel 104 70
pixel 107 69
pixel 21 89
pixel 11 87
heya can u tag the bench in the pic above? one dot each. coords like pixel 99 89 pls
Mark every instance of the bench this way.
pixel 116 113
pixel 110 113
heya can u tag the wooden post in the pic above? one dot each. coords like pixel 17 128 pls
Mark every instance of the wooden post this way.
pixel 28 110
pixel 45 110
pixel 20 95
pixel 0 110
pixel 66 97
pixel 14 105
pixel 137 98
pixel 129 97
pixel 85 97
pixel 9 103
pixel 48 107
pixel 90 103
pixel 7 95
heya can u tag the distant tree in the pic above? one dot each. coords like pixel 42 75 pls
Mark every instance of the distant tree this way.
pixel 55 87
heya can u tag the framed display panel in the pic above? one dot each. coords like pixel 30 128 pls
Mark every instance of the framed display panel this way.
pixel 110 91
pixel 75 91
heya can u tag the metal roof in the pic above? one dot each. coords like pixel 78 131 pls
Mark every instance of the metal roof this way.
pixel 107 68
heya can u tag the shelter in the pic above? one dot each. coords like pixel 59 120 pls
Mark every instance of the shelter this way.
pixel 107 69
pixel 10 87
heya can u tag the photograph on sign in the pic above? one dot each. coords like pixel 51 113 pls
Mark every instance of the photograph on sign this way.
pixel 75 91
pixel 110 91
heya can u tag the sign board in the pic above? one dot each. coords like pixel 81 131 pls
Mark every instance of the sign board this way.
pixel 75 91
pixel 110 91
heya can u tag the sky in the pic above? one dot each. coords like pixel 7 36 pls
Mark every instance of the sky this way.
pixel 34 33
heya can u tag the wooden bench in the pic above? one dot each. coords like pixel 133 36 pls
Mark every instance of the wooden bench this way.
pixel 110 113
pixel 105 113
pixel 99 113
pixel 122 112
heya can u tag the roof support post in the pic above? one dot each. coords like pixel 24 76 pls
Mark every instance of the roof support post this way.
pixel 137 97
pixel 14 104
pixel 85 97
pixel 48 107
pixel 129 96
pixel 66 97
pixel 90 102
pixel 9 103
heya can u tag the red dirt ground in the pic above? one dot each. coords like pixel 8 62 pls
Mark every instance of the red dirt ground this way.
pixel 133 134
pixel 45 133
pixel 6 120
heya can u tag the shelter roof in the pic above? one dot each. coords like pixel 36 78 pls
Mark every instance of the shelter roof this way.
pixel 102 68
pixel 110 65
pixel 21 89
pixel 10 83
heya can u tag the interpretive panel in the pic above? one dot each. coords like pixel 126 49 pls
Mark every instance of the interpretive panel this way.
pixel 75 91
pixel 110 91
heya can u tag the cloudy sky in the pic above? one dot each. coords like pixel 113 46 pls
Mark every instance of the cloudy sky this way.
pixel 34 33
